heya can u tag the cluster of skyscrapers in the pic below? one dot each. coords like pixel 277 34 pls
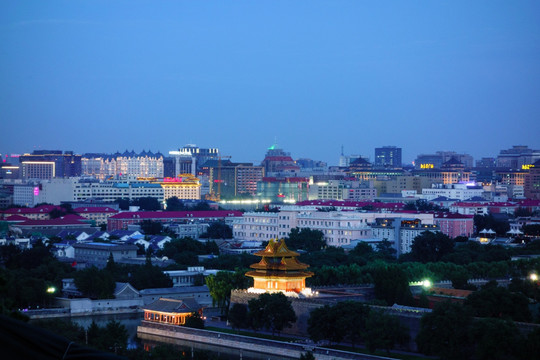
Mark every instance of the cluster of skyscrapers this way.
pixel 192 172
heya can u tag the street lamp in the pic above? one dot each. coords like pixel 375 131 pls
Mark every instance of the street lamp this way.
pixel 426 284
pixel 51 290
pixel 533 277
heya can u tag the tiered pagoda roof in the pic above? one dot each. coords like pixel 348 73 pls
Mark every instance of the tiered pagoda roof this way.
pixel 278 261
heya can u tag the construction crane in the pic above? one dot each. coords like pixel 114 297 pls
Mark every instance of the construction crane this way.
pixel 216 196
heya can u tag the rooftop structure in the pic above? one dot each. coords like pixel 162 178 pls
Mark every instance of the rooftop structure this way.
pixel 279 270
pixel 171 311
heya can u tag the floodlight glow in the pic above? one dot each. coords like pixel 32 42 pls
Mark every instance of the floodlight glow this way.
pixel 426 284
pixel 51 289
pixel 533 277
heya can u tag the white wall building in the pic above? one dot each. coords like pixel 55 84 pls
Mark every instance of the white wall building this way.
pixel 26 195
pixel 339 228
pixel 453 191
pixel 342 190
pixel 400 231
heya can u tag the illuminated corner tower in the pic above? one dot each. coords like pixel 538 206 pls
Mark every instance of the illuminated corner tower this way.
pixel 279 270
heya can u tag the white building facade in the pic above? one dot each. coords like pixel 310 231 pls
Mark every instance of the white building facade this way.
pixel 339 228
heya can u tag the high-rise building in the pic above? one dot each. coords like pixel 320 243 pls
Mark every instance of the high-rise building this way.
pixel 278 162
pixel 519 157
pixel 388 157
pixel 234 179
pixel 436 161
pixel 532 182
pixel 103 166
pixel 201 155
pixel 48 164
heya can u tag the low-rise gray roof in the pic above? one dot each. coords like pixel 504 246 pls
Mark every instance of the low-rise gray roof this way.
pixel 187 305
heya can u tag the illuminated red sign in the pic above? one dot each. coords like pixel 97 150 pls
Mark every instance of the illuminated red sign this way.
pixel 170 179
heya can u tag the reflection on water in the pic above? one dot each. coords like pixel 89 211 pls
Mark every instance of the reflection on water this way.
pixel 205 351
pixel 196 350
pixel 130 321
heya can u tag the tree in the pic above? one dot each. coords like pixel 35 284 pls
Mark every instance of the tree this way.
pixel 532 345
pixel 271 311
pixel 321 325
pixel 307 356
pixel 95 283
pixel 383 331
pixel 445 332
pixel 460 279
pixel 174 204
pixel 431 246
pixel 194 321
pixel 150 227
pixel 63 327
pixel 392 286
pixel 344 320
pixel 501 227
pixel 114 337
pixel 219 230
pixel 386 251
pixel 497 339
pixel 531 230
pixel 123 204
pixel 351 317
pixel 220 286
pixel 306 239
pixel 148 203
pixel 498 302
pixel 148 277
pixel 238 316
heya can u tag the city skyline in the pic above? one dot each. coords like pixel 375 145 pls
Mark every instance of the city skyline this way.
pixel 101 77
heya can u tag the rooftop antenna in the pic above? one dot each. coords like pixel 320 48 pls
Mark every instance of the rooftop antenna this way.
pixel 342 150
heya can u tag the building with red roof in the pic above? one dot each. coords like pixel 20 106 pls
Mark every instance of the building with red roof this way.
pixel 38 213
pixel 97 214
pixel 64 222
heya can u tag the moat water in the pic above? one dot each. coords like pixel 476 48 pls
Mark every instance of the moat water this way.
pixel 131 321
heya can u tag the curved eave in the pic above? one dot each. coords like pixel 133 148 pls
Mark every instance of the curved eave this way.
pixel 273 275
pixel 279 267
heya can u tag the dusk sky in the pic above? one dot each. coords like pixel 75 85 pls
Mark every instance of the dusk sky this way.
pixel 102 76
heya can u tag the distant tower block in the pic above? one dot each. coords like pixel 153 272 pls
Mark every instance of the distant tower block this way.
pixel 279 270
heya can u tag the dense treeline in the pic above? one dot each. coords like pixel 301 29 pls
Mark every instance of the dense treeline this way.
pixel 355 322
pixel 26 275
pixel 100 283
pixel 272 312
pixel 452 332
pixel 112 337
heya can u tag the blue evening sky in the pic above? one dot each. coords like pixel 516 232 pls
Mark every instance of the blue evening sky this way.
pixel 102 75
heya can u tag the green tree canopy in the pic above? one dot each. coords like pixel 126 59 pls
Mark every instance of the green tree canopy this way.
pixel 384 331
pixel 238 316
pixel 431 246
pixel 271 311
pixel 95 283
pixel 392 285
pixel 175 204
pixel 221 284
pixel 345 320
pixel 306 239
pixel 195 321
pixel 445 332
pixel 218 230
pixel 499 302
pixel 150 227
pixel 497 339
pixel 147 203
